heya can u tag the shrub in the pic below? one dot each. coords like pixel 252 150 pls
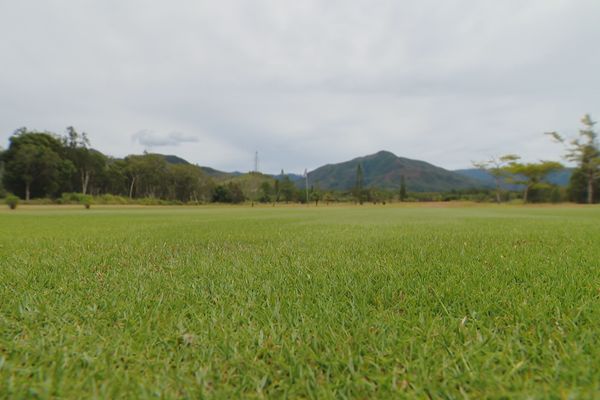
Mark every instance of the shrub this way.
pixel 86 200
pixel 12 201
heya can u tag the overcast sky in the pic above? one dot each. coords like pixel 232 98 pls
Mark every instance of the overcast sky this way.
pixel 302 82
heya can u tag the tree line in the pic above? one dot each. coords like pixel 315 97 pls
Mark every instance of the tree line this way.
pixel 582 150
pixel 45 165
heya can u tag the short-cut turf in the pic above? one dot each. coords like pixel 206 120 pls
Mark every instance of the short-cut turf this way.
pixel 367 302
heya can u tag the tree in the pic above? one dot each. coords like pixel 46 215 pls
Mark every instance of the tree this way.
pixel 287 189
pixel 88 162
pixel 402 194
pixel 531 175
pixel 134 169
pixel 148 175
pixel 265 189
pixel 251 184
pixel 113 178
pixel 237 195
pixel 277 190
pixel 585 152
pixel 221 194
pixel 496 167
pixel 187 183
pixel 577 190
pixel 359 186
pixel 33 164
pixel 315 194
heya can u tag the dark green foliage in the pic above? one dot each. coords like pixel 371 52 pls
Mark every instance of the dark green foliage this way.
pixel 188 183
pixel 287 189
pixel 585 152
pixel 266 192
pixel 237 195
pixel 556 195
pixel 402 194
pixel 35 164
pixel 578 187
pixel 171 159
pixel 358 191
pixel 115 179
pixel 277 190
pixel 532 176
pixel 228 193
pixel 315 195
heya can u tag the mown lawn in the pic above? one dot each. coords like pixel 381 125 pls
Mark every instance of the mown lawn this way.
pixel 327 302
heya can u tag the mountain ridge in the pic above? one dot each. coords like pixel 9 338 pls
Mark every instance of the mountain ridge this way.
pixel 384 169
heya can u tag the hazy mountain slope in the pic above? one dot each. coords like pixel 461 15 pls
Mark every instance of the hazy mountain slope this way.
pixel 560 178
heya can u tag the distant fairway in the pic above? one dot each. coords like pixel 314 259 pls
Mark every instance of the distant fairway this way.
pixel 367 302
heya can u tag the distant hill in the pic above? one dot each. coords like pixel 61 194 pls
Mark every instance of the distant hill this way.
pixel 213 173
pixel 560 178
pixel 171 159
pixel 219 175
pixel 384 170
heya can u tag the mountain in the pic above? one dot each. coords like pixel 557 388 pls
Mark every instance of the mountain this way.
pixel 384 170
pixel 213 173
pixel 171 159
pixel 219 175
pixel 560 178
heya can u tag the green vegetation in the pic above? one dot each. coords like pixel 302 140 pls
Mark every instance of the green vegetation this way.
pixel 319 302
pixel 496 168
pixel 12 201
pixel 384 170
pixel 532 175
pixel 585 152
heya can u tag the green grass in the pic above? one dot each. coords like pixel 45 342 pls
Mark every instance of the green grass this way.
pixel 348 302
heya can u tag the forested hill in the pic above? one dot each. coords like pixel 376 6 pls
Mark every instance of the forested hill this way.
pixel 385 170
pixel 213 173
pixel 171 159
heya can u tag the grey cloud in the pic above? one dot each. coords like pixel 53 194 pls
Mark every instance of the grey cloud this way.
pixel 304 83
pixel 150 138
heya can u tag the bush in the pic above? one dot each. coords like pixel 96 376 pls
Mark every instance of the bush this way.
pixel 76 198
pixel 86 201
pixel 12 201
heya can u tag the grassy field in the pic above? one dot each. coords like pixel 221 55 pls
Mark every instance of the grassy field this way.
pixel 344 302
